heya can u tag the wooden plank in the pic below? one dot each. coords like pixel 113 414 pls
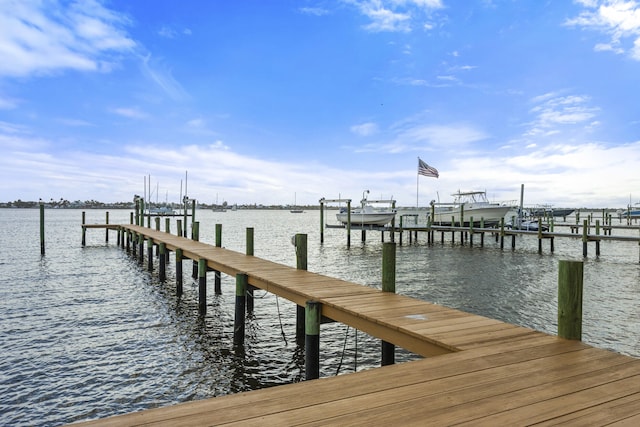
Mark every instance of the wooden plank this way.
pixel 327 390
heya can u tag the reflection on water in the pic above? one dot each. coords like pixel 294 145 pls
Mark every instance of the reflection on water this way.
pixel 88 332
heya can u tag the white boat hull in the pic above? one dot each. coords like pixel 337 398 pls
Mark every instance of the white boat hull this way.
pixel 367 218
pixel 489 215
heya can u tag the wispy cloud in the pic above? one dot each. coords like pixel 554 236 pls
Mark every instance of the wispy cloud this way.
pixel 45 37
pixel 315 11
pixel 365 129
pixel 397 15
pixel 554 112
pixel 163 78
pixel 618 19
pixel 130 112
pixel 7 103
pixel 171 33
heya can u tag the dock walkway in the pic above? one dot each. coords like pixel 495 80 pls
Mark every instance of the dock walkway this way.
pixel 477 370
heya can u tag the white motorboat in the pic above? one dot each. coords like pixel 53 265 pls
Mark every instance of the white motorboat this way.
pixel 631 212
pixel 367 214
pixel 528 225
pixel 469 204
pixel 161 211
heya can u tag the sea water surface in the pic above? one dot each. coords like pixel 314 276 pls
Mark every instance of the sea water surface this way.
pixel 87 332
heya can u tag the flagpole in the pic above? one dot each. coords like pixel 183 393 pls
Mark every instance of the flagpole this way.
pixel 417 189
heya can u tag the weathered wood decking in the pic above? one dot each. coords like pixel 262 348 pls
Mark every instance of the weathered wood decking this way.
pixel 481 371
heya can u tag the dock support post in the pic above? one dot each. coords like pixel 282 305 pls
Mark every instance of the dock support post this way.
pixel 195 235
pixel 128 240
pixel 301 264
pixel 501 233
pixel 321 221
pixel 134 244
pixel 106 230
pixel 179 272
pixel 84 230
pixel 471 231
pixel 140 248
pixel 539 237
pixel 179 227
pixel 202 286
pixel 241 300
pixel 150 254
pixel 388 285
pixel 482 233
pixel 217 281
pixel 348 224
pixel 42 228
pixel 249 252
pixel 570 282
pixel 162 248
pixel 598 240
pixel 167 225
pixel 584 238
pixel 312 340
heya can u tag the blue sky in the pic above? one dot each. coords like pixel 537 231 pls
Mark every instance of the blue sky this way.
pixel 261 100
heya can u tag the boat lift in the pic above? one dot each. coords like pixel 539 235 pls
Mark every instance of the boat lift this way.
pixel 349 226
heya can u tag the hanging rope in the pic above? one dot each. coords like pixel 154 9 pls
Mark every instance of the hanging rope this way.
pixel 284 337
pixel 344 348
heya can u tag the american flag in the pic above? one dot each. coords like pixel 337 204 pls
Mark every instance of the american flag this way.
pixel 426 170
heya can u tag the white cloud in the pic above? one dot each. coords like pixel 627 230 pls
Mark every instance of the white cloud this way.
pixel 44 37
pixel 554 112
pixel 7 103
pixel 163 78
pixel 315 11
pixel 618 19
pixel 396 15
pixel 130 112
pixel 365 129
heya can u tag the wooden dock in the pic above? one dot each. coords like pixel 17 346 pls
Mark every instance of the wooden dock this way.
pixel 477 371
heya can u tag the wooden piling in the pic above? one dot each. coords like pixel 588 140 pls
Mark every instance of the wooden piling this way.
pixel 598 240
pixel 195 235
pixel 585 239
pixel 312 340
pixel 241 299
pixel 388 285
pixel 249 252
pixel 150 254
pixel 570 283
pixel 42 229
pixel 202 286
pixel 321 221
pixel 348 224
pixel 140 248
pixel 217 279
pixel 179 227
pixel 162 248
pixel 300 241
pixel 179 272
pixel 106 230
pixel 84 230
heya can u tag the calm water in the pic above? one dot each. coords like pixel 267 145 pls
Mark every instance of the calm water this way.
pixel 88 332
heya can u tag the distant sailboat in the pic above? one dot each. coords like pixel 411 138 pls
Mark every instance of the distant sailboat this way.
pixel 217 207
pixel 295 206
